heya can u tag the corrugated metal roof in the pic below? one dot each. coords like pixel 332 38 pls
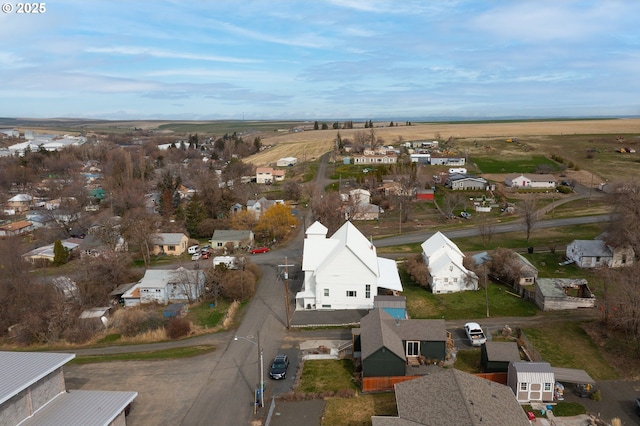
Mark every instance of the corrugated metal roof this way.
pixel 82 408
pixel 534 372
pixel 572 375
pixel 18 370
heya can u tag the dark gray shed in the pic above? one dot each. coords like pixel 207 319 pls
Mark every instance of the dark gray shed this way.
pixel 496 356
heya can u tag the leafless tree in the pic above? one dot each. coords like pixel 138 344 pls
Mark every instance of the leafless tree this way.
pixel 505 265
pixel 451 202
pixel 419 272
pixel 625 299
pixel 139 231
pixel 189 283
pixel 239 285
pixel 529 213
pixel 624 228
pixel 487 229
pixel 327 208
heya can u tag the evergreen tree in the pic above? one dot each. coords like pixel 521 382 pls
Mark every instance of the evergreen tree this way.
pixel 315 126
pixel 325 126
pixel 60 253
pixel 195 213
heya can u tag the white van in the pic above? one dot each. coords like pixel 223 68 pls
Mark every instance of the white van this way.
pixel 228 261
pixel 193 249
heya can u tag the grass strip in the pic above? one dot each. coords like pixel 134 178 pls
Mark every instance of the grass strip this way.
pixel 174 353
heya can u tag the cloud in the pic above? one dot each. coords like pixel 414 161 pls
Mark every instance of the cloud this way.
pixel 166 54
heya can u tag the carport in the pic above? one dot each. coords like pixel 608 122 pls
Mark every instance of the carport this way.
pixel 573 376
pixel 584 384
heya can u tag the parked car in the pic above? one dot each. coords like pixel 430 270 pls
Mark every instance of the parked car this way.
pixel 204 255
pixel 205 249
pixel 258 250
pixel 465 215
pixel 475 334
pixel 192 249
pixel 196 256
pixel 279 367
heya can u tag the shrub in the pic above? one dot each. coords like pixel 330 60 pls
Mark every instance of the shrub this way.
pixel 177 328
pixel 135 321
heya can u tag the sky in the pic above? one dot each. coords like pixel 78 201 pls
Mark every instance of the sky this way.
pixel 321 59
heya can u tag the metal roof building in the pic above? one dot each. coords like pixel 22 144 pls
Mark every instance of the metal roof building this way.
pixel 33 392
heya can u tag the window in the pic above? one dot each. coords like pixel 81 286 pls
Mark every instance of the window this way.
pixel 351 293
pixel 367 291
pixel 413 348
pixel 446 280
pixel 172 248
pixel 326 292
pixel 455 280
pixel 219 244
pixel 547 387
pixel 523 386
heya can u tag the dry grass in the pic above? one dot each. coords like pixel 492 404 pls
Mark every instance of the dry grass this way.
pixel 317 142
pixel 358 411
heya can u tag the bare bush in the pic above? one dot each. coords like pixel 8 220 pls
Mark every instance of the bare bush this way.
pixel 134 321
pixel 177 328
pixel 239 285
pixel 417 270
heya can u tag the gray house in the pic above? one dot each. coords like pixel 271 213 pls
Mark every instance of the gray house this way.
pixel 452 397
pixel 238 238
pixel 594 253
pixel 33 392
pixel 392 347
pixel 463 182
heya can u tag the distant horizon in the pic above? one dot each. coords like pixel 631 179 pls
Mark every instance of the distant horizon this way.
pixel 414 60
pixel 395 120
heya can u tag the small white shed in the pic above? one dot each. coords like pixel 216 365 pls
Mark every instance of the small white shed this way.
pixel 531 381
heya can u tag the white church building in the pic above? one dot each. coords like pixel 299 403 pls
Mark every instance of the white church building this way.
pixel 343 271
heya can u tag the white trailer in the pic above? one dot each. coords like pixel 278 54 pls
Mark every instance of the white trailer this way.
pixel 228 261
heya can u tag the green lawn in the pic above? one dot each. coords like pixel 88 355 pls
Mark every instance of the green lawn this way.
pixel 421 303
pixel 468 361
pixel 519 165
pixel 566 344
pixel 320 376
pixel 185 352
pixel 206 316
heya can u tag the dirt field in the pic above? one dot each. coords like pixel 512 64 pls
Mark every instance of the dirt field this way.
pixel 314 143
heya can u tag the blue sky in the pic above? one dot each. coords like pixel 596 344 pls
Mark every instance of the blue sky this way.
pixel 321 59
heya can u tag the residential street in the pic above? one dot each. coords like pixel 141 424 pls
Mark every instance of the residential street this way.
pixel 218 388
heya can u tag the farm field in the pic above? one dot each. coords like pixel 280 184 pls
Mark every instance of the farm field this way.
pixel 591 145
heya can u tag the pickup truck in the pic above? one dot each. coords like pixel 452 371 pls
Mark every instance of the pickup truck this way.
pixel 475 334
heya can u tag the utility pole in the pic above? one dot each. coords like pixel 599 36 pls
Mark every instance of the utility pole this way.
pixel 261 371
pixel 286 289
pixel 486 288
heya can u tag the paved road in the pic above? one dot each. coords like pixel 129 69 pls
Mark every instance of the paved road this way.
pixel 220 389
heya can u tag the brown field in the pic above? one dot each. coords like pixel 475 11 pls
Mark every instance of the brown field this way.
pixel 570 139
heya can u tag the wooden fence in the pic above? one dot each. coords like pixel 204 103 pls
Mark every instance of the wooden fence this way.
pixel 381 384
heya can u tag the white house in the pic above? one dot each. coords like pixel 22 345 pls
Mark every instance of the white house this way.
pixel 447 274
pixel 531 181
pixel 268 175
pixel 594 253
pixel 343 271
pixel 163 286
pixel 258 207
